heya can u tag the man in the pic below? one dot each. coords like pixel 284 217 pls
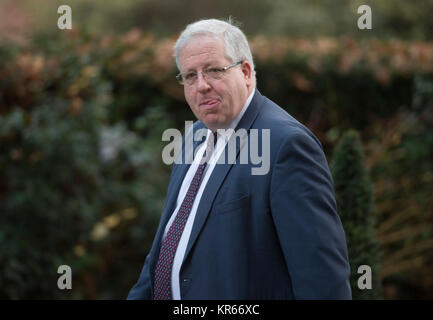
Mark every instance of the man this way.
pixel 226 233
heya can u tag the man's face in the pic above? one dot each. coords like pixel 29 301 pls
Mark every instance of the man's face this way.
pixel 214 102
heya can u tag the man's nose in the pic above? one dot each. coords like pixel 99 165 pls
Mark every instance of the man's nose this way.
pixel 202 84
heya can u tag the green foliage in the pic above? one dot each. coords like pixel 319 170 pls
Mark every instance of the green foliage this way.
pixel 402 152
pixel 76 184
pixel 65 175
pixel 333 83
pixel 354 197
pixel 295 18
pixel 81 177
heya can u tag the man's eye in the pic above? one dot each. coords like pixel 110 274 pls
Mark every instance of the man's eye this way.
pixel 190 76
pixel 213 70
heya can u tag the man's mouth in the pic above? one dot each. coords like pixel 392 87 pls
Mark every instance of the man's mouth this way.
pixel 209 103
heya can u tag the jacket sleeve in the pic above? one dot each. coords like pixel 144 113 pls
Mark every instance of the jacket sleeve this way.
pixel 305 217
pixel 142 289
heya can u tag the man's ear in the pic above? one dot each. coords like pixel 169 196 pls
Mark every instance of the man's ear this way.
pixel 247 70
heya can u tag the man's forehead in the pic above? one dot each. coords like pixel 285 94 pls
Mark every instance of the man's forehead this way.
pixel 205 38
pixel 202 51
pixel 203 45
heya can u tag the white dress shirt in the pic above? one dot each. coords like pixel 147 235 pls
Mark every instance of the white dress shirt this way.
pixel 183 242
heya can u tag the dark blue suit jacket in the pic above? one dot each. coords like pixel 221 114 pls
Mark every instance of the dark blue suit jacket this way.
pixel 273 236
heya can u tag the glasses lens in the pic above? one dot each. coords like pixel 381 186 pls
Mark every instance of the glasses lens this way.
pixel 214 73
pixel 190 77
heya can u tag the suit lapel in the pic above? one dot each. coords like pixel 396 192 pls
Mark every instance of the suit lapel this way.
pixel 220 172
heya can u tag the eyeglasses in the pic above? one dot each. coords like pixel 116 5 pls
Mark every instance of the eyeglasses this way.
pixel 190 78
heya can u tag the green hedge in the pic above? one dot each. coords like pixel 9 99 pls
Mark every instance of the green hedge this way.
pixel 81 119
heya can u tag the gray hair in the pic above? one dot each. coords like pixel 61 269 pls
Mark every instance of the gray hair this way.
pixel 236 44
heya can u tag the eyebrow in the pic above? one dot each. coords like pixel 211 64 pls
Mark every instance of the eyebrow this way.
pixel 207 64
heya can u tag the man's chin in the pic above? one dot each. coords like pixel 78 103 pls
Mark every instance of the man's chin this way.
pixel 214 125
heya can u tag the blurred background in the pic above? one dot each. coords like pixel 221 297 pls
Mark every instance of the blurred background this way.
pixel 82 112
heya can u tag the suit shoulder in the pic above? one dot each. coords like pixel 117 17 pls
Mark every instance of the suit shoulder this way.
pixel 283 126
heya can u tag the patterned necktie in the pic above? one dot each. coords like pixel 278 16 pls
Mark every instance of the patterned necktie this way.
pixel 162 287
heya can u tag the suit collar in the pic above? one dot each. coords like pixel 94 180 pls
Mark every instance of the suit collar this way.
pixel 251 113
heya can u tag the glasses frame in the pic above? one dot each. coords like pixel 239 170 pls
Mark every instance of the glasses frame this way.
pixel 179 77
